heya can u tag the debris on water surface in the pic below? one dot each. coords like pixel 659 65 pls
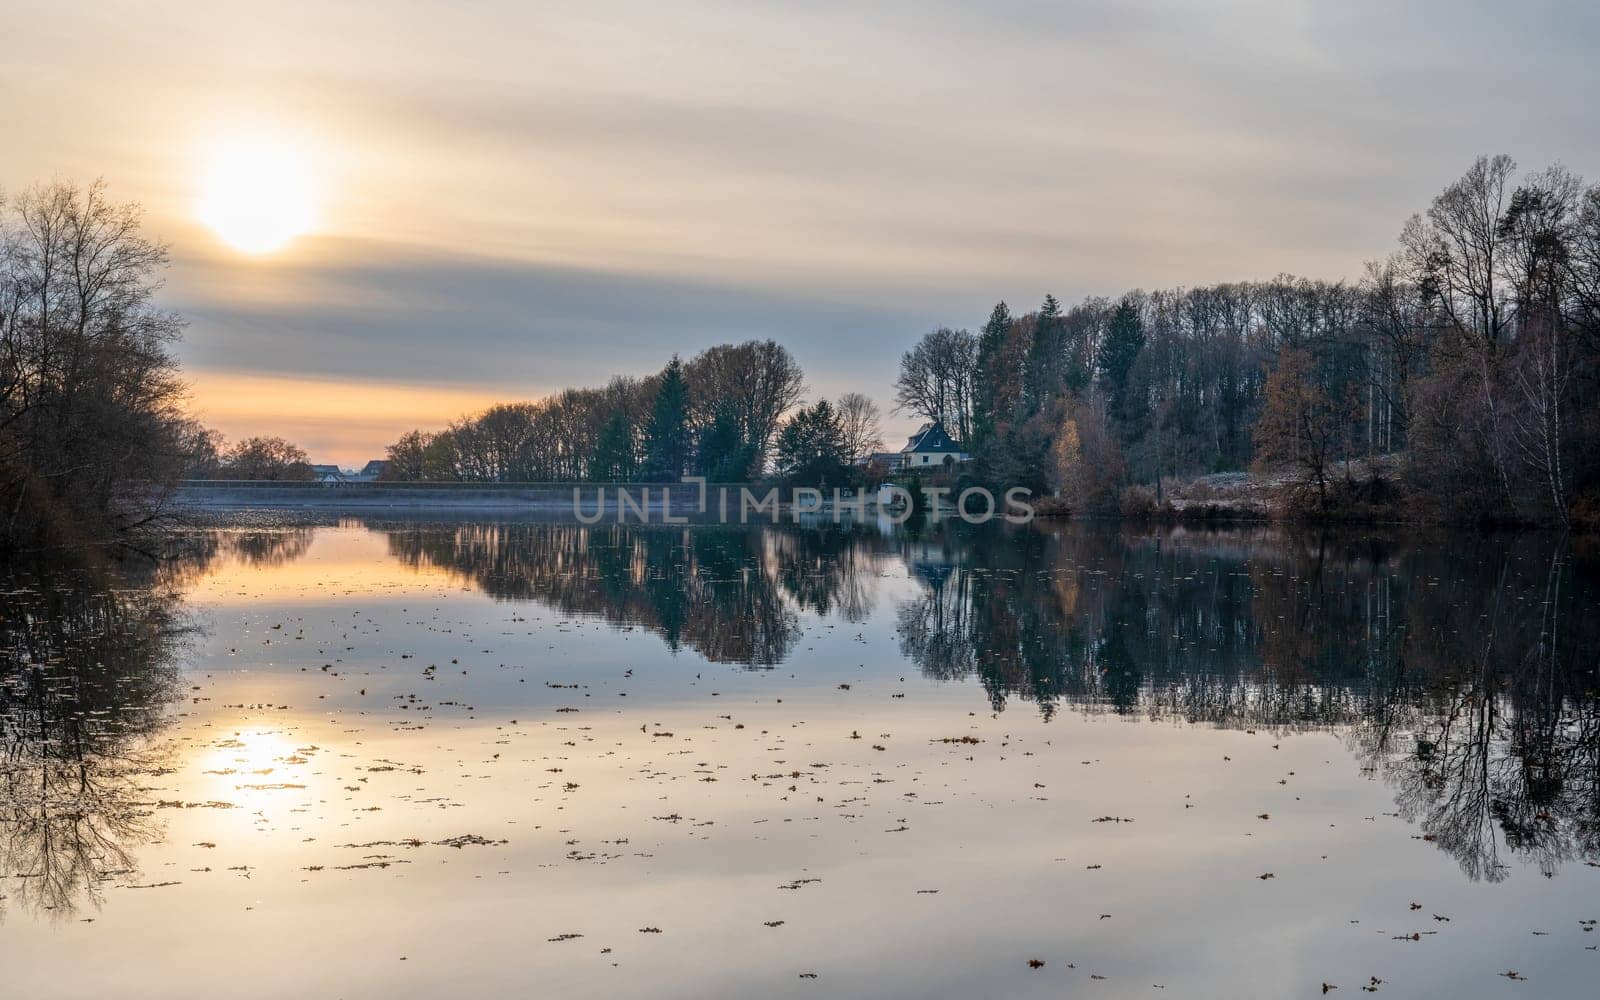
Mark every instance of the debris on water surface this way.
pixel 686 768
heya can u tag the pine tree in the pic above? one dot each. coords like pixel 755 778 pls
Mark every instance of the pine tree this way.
pixel 1044 355
pixel 991 343
pixel 811 447
pixel 666 440
pixel 722 455
pixel 1118 351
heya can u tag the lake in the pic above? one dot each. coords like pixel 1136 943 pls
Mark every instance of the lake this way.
pixel 369 758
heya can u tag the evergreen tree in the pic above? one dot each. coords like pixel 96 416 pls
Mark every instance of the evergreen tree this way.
pixel 1044 355
pixel 1123 341
pixel 991 342
pixel 722 455
pixel 811 447
pixel 666 440
pixel 1076 360
pixel 613 460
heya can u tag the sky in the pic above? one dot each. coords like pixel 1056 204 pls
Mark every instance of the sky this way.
pixel 497 200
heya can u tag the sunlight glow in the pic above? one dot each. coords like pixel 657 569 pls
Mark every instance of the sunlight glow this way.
pixel 257 195
pixel 251 756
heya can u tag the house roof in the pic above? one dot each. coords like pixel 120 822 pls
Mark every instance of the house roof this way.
pixel 931 437
pixel 883 457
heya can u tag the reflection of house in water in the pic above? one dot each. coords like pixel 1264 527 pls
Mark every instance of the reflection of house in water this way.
pixel 1463 676
pixel 930 558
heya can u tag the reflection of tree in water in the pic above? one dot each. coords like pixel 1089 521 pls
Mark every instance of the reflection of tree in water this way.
pixel 88 668
pixel 827 570
pixel 730 594
pixel 265 548
pixel 1464 673
pixel 1500 748
pixel 192 553
pixel 86 673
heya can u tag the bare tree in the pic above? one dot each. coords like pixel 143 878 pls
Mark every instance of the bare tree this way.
pixel 1583 268
pixel 1457 249
pixel 408 458
pixel 1456 254
pixel 1541 226
pixel 758 378
pixel 265 458
pixel 859 419
pixel 936 379
pixel 1393 323
pixel 91 434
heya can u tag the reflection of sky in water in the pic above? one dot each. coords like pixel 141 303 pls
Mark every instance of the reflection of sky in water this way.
pixel 360 699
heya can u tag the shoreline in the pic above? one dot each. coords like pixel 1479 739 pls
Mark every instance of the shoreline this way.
pixel 547 497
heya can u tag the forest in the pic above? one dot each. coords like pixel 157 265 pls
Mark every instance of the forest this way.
pixel 1457 380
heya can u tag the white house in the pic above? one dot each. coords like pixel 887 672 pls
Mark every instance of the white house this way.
pixel 931 448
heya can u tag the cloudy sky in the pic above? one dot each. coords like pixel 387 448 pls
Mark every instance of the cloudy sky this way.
pixel 495 200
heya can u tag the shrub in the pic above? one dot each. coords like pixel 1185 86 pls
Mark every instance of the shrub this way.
pixel 1137 503
pixel 1051 506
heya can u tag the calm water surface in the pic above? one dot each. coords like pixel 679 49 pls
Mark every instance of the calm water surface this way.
pixel 400 759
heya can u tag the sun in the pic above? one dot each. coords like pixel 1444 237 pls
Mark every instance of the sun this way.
pixel 257 195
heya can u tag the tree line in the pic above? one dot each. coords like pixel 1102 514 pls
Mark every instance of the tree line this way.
pixel 1467 361
pixel 261 458
pixel 1472 352
pixel 731 413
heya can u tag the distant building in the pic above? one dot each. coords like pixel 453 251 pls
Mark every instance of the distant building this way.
pixel 370 472
pixel 881 461
pixel 931 448
pixel 333 474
